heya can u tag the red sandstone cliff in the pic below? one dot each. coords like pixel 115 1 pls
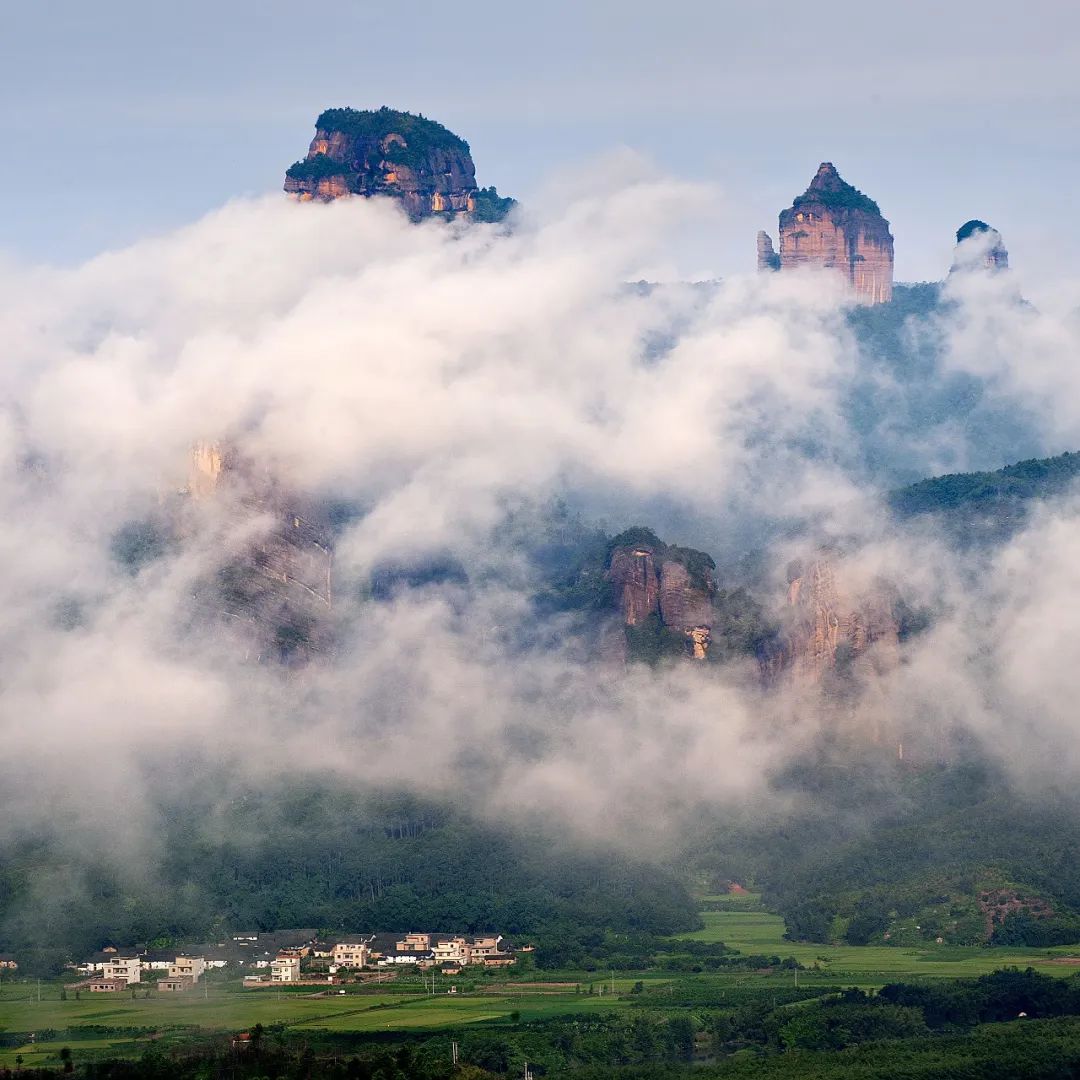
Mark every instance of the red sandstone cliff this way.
pixel 274 588
pixel 386 152
pixel 835 622
pixel 663 591
pixel 835 226
pixel 632 572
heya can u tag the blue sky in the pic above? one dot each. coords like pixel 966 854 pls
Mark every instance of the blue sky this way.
pixel 123 118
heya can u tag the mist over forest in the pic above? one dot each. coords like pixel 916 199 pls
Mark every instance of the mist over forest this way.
pixel 466 419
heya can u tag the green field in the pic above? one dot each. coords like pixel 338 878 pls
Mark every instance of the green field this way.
pixel 220 1007
pixel 229 1009
pixel 871 965
pixel 219 1010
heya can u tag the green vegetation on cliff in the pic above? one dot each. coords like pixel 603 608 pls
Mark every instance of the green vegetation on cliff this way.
pixel 698 564
pixel 379 139
pixel 969 228
pixel 845 197
pixel 984 509
pixel 421 134
pixel 741 626
pixel 319 167
pixel 490 206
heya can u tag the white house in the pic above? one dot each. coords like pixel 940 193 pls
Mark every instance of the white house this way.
pixel 128 968
pixel 157 960
pixel 402 958
pixel 285 968
pixel 450 950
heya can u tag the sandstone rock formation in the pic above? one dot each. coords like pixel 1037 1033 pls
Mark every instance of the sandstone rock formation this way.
pixel 839 639
pixel 632 572
pixel 205 468
pixel 684 602
pixel 835 226
pixel 979 247
pixel 663 594
pixel 767 259
pixel 386 152
pixel 997 905
pixel 273 587
pixel 834 624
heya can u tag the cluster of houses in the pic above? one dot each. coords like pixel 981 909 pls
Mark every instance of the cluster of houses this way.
pixel 114 970
pixel 292 956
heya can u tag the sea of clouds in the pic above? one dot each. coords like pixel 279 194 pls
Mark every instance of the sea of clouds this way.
pixel 446 379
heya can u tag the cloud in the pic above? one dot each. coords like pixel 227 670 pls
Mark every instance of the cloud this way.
pixel 443 379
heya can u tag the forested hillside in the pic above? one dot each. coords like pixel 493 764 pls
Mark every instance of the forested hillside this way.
pixel 987 507
pixel 885 852
pixel 329 858
pixel 935 839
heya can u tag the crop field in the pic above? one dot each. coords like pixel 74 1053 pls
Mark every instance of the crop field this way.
pixel 870 965
pixel 219 1010
pixel 117 1025
pixel 229 1009
pixel 453 1011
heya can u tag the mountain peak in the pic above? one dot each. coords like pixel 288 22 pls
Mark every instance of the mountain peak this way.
pixel 385 151
pixel 979 245
pixel 835 226
pixel 829 188
pixel 826 177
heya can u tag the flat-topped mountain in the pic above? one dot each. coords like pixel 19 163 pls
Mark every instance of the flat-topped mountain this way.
pixel 834 225
pixel 387 152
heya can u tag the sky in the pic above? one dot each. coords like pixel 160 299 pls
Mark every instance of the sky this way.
pixel 122 119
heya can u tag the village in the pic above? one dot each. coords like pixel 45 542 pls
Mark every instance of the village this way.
pixel 298 957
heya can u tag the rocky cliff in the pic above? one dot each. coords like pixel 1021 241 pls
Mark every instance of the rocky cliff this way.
pixel 664 595
pixel 767 259
pixel 834 622
pixel 633 574
pixel 835 226
pixel 273 585
pixel 386 152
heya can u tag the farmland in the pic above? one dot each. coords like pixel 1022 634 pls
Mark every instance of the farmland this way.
pixel 98 1026
pixel 869 965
